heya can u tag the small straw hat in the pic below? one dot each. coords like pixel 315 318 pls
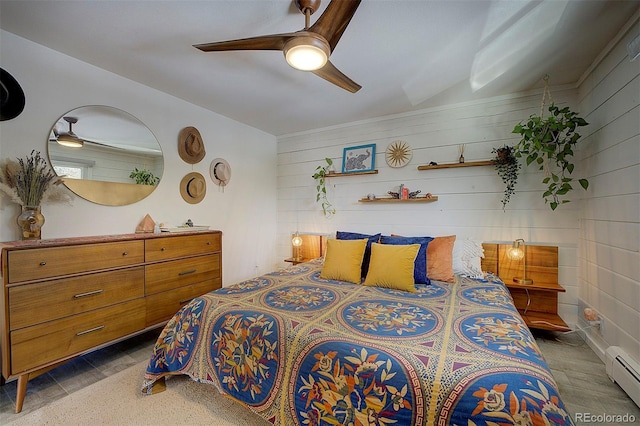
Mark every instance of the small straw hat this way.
pixel 193 188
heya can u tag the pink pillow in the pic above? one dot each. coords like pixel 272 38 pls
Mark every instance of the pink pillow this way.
pixel 440 259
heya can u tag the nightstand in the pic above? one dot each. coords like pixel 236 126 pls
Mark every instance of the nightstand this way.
pixel 313 246
pixel 538 304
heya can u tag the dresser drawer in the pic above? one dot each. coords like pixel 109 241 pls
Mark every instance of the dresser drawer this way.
pixel 50 262
pixel 180 246
pixel 162 306
pixel 42 344
pixel 35 303
pixel 178 273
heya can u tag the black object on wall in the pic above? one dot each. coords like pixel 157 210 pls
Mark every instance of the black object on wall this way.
pixel 11 96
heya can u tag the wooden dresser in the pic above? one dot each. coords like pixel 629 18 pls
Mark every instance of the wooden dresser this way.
pixel 65 297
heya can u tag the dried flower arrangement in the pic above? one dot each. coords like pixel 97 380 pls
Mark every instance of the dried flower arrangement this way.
pixel 30 181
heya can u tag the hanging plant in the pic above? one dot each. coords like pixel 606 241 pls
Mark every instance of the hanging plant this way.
pixel 549 142
pixel 321 190
pixel 508 167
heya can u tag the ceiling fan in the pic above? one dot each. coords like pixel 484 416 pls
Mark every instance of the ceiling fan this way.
pixel 69 139
pixel 308 49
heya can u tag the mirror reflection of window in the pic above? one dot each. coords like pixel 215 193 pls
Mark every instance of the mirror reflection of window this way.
pixel 72 171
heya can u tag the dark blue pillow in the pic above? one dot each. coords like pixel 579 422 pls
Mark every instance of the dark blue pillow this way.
pixel 341 235
pixel 420 264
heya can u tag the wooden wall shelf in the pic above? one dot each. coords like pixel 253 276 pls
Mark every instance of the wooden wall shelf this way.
pixel 370 172
pixel 397 200
pixel 454 165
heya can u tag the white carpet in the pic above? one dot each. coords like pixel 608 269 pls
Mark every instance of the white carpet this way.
pixel 118 400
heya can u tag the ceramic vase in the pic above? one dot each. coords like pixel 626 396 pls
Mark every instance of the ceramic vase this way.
pixel 30 222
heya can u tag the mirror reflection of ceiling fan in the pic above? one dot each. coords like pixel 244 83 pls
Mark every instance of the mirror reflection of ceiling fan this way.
pixel 308 49
pixel 70 139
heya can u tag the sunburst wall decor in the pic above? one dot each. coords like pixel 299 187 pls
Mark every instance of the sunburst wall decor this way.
pixel 398 154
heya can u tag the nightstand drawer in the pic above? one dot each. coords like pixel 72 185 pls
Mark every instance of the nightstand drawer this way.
pixel 35 303
pixel 41 344
pixel 182 246
pixel 51 262
pixel 178 273
pixel 162 306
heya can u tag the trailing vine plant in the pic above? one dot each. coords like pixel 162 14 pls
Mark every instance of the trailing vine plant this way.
pixel 321 189
pixel 508 167
pixel 549 142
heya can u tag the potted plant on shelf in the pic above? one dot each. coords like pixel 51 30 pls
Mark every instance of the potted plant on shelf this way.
pixel 549 142
pixel 321 190
pixel 144 177
pixel 508 167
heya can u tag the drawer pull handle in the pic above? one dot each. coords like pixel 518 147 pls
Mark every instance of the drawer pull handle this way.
pixel 190 271
pixel 162 249
pixel 91 330
pixel 89 293
pixel 183 301
pixel 208 243
pixel 124 253
pixel 43 263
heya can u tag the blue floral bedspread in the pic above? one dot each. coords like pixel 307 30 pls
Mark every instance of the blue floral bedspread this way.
pixel 300 350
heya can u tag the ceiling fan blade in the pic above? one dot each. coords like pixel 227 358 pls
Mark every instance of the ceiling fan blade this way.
pixel 267 42
pixel 333 75
pixel 334 20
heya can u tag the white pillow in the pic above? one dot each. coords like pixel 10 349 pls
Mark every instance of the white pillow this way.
pixel 466 258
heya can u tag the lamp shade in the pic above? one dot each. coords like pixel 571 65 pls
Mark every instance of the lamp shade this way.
pixel 516 252
pixel 519 252
pixel 307 52
pixel 296 241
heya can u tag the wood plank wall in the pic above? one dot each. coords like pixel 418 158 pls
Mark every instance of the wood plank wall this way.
pixel 469 198
pixel 609 256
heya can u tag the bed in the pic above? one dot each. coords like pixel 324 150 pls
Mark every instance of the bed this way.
pixel 300 349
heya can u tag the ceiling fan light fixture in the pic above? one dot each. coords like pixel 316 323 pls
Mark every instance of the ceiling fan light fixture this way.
pixel 70 141
pixel 306 52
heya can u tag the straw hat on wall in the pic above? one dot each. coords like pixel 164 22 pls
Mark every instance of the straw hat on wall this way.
pixel 220 171
pixel 193 188
pixel 190 145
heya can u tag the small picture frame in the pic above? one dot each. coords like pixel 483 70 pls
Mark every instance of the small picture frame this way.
pixel 359 158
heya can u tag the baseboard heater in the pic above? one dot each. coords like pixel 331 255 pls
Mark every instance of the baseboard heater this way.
pixel 624 371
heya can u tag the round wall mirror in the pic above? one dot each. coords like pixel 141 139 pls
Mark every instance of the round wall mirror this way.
pixel 105 155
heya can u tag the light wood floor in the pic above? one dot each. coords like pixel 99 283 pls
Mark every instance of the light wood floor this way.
pixel 581 377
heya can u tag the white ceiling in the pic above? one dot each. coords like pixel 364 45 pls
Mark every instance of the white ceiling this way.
pixel 407 55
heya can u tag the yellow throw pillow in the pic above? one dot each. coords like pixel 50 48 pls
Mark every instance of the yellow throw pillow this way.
pixel 392 266
pixel 343 261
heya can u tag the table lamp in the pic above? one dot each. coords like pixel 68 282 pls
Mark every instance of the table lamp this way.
pixel 516 252
pixel 296 242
